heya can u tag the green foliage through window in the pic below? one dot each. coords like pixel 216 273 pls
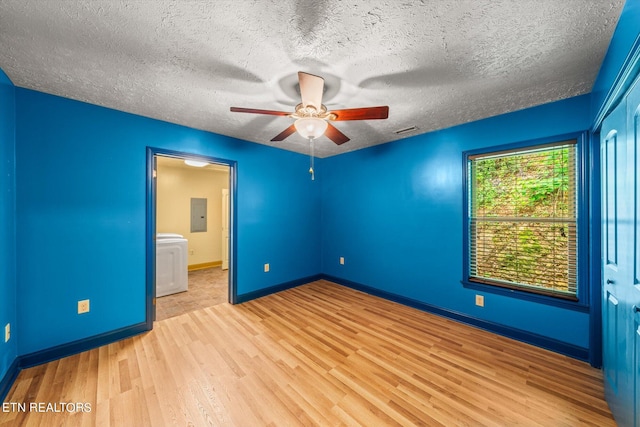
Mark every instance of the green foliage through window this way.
pixel 522 213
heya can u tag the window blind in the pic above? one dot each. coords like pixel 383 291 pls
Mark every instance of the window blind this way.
pixel 523 219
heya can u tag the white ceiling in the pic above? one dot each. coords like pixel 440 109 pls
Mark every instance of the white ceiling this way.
pixel 435 63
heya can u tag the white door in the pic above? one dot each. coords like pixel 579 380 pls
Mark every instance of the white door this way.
pixel 225 228
pixel 632 299
pixel 615 267
pixel 621 258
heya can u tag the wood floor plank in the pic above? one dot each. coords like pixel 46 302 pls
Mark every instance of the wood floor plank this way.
pixel 316 355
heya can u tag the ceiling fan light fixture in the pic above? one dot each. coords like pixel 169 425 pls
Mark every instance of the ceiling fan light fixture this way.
pixel 312 116
pixel 311 127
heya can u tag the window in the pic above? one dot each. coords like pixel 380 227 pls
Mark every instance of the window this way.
pixel 521 222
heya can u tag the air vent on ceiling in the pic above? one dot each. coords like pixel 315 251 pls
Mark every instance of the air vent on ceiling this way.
pixel 406 130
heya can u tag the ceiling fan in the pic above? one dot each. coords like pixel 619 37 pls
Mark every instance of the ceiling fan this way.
pixel 312 118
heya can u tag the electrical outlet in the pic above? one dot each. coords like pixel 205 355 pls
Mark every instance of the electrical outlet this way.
pixel 341 260
pixel 266 268
pixel 480 300
pixel 7 332
pixel 83 306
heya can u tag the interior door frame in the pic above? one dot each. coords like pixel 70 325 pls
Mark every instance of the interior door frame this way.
pixel 151 197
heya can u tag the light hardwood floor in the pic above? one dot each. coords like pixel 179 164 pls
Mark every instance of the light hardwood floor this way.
pixel 316 355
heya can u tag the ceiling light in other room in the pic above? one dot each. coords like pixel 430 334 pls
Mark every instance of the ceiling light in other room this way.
pixel 310 127
pixel 196 163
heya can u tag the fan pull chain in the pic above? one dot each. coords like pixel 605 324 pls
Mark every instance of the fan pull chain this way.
pixel 311 171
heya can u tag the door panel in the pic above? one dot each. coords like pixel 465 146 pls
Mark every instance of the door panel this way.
pixel 632 296
pixel 633 114
pixel 610 317
pixel 610 181
pixel 617 243
pixel 636 369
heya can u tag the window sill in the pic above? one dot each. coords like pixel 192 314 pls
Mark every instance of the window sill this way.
pixel 527 296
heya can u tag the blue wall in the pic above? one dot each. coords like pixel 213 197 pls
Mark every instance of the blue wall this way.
pixel 394 211
pixel 8 351
pixel 81 172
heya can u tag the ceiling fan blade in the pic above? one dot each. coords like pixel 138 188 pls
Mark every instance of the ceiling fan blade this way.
pixel 311 89
pixel 335 135
pixel 284 134
pixel 368 113
pixel 256 111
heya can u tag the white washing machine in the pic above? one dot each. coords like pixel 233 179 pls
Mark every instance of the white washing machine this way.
pixel 171 264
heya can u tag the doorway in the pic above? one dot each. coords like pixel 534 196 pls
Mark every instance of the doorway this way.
pixel 172 187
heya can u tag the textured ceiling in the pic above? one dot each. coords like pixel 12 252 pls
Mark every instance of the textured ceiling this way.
pixel 435 63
